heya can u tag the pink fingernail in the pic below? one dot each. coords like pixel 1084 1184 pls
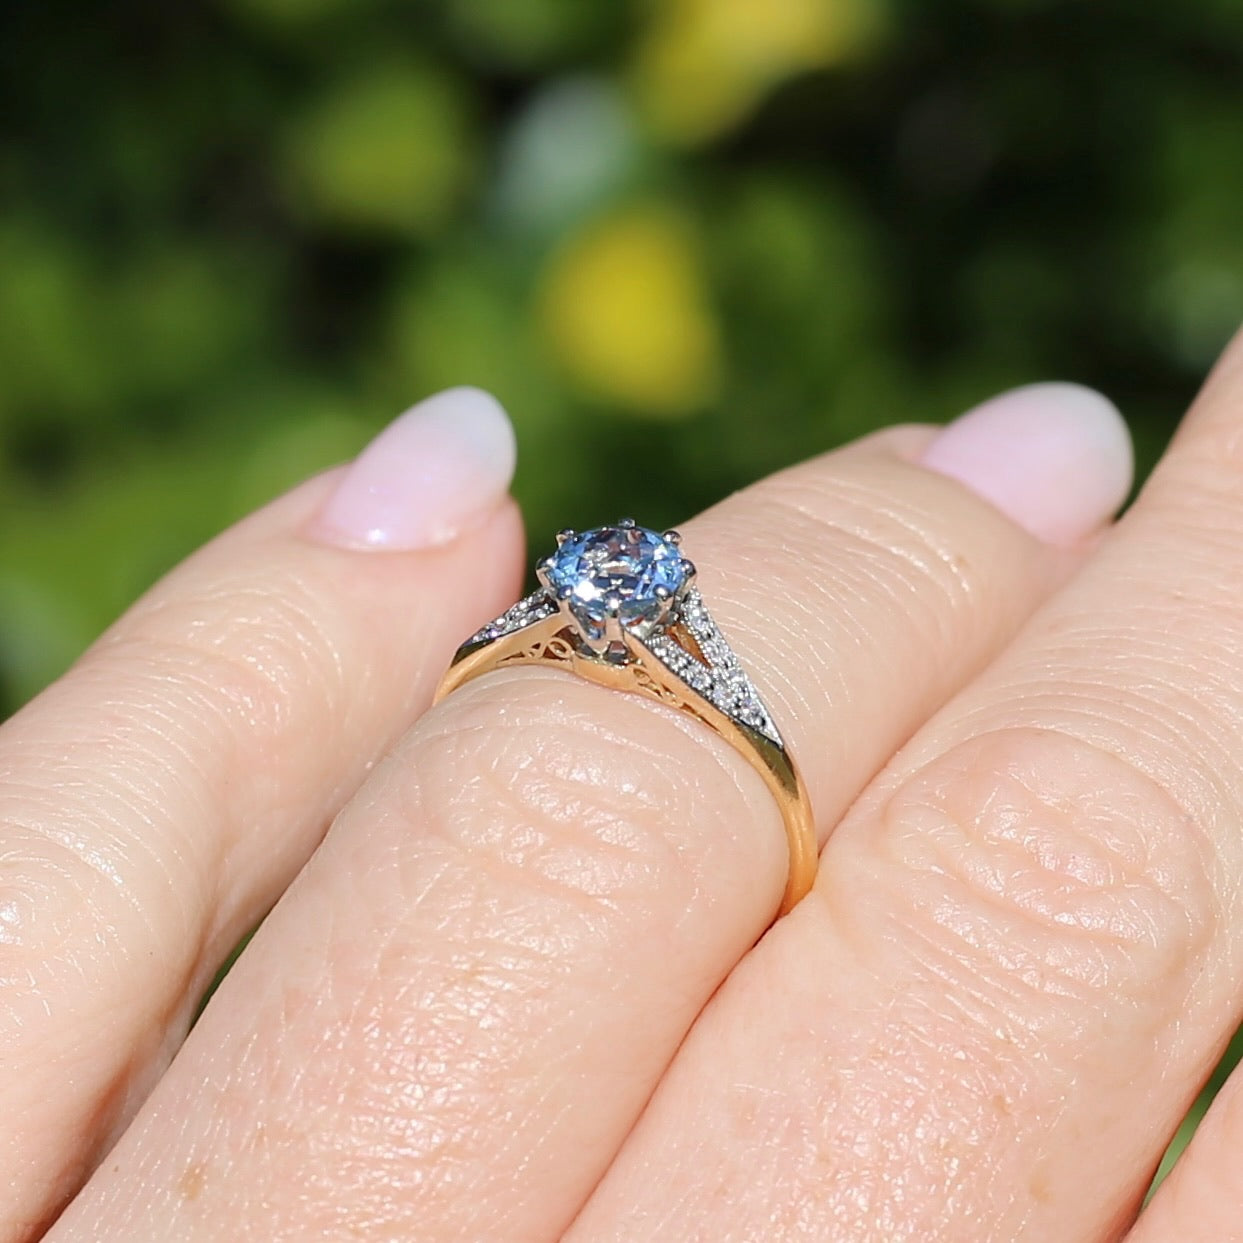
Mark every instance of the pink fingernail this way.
pixel 1055 458
pixel 432 473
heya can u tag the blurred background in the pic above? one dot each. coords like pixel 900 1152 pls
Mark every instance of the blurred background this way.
pixel 684 241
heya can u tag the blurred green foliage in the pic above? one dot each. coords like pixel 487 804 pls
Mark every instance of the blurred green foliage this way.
pixel 237 237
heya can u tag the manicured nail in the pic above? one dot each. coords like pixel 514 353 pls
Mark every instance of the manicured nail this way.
pixel 431 474
pixel 1055 458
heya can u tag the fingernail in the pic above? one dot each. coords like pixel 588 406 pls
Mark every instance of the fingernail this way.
pixel 1055 458
pixel 431 474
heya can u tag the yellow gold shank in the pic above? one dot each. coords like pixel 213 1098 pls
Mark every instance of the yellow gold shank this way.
pixel 548 643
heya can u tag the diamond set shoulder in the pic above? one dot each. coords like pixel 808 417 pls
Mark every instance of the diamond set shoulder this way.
pixel 526 612
pixel 626 584
pixel 719 677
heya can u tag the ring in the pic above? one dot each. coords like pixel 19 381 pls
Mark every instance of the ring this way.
pixel 618 605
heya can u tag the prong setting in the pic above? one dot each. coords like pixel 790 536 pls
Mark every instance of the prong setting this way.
pixel 615 586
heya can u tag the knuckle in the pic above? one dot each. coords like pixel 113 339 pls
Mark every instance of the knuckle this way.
pixel 69 901
pixel 219 694
pixel 584 798
pixel 260 646
pixel 43 887
pixel 1043 875
pixel 192 701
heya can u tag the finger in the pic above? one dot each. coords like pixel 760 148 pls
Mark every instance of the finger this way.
pixel 450 1023
pixel 156 800
pixel 1201 1201
pixel 1023 952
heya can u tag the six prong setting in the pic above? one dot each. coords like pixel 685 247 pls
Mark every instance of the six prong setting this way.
pixel 616 584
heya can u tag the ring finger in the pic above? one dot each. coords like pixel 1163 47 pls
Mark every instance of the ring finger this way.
pixel 450 1023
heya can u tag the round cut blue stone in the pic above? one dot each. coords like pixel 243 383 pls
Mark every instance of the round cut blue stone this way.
pixel 633 563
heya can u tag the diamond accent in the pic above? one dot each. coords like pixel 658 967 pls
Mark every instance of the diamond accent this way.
pixel 526 612
pixel 719 678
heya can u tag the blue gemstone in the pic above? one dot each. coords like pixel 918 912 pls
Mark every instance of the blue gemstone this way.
pixel 632 563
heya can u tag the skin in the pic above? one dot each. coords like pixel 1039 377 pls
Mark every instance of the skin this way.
pixel 524 988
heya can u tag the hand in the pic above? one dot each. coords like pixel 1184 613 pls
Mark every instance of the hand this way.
pixel 515 993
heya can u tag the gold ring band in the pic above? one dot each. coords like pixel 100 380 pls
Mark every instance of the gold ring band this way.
pixel 666 646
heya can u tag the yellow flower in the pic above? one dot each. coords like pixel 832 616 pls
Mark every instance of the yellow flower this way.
pixel 705 64
pixel 624 309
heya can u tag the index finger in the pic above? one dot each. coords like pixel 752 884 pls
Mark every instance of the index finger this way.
pixel 156 800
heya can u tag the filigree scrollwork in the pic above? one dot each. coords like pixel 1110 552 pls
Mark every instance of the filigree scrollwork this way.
pixel 556 649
